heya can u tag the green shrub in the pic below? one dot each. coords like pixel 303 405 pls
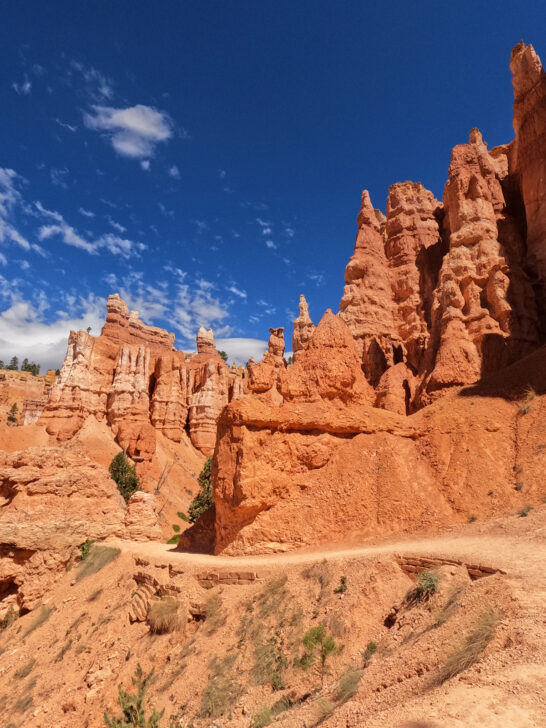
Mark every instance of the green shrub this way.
pixel 427 585
pixel 319 645
pixel 263 718
pixel 132 706
pixel 123 472
pixel 203 500
pixel 523 512
pixel 85 548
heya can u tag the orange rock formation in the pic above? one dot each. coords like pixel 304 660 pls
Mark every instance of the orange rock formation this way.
pixel 133 377
pixel 438 297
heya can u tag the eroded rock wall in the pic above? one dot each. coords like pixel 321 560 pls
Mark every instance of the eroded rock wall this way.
pixel 133 377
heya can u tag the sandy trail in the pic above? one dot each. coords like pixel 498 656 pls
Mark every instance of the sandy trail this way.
pixel 517 555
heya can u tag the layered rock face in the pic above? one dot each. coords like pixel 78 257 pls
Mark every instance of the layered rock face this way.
pixel 53 499
pixel 438 295
pixel 132 376
pixel 529 81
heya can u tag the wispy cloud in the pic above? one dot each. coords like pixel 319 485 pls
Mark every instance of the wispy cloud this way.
pixel 134 131
pixel 58 177
pixel 86 213
pixel 24 88
pixel 237 291
pixel 98 86
pixel 60 228
pixel 65 125
pixel 270 244
pixel 174 172
pixel 11 200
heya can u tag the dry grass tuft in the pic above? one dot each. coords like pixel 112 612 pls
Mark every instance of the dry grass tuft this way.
pixel 272 598
pixel 215 615
pixel 163 616
pixel 25 670
pixel 319 572
pixel 222 692
pixel 97 559
pixel 473 648
pixel 324 709
pixel 43 615
pixel 348 684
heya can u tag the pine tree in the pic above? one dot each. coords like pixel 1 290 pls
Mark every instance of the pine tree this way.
pixel 132 706
pixel 203 500
pixel 124 474
pixel 14 364
pixel 12 415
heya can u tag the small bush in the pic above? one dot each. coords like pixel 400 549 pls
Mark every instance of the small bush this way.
pixel 368 653
pixel 269 663
pixel 25 670
pixel 98 558
pixel 319 646
pixel 43 615
pixel 472 518
pixel 203 500
pixel 524 408
pixel 342 588
pixel 132 706
pixel 427 585
pixel 519 486
pixel 94 595
pixel 85 548
pixel 163 616
pixel 123 472
pixel 523 512
pixel 472 650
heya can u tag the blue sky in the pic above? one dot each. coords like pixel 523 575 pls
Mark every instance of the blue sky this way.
pixel 206 159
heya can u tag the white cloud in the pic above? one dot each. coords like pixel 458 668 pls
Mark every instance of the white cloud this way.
pixel 86 213
pixel 113 243
pixel 240 350
pixel 263 224
pixel 238 292
pixel 222 173
pixel 174 172
pixel 199 307
pixel 145 164
pixel 270 244
pixel 23 89
pixel 289 232
pixel 3 259
pixel 134 131
pixel 24 332
pixel 317 278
